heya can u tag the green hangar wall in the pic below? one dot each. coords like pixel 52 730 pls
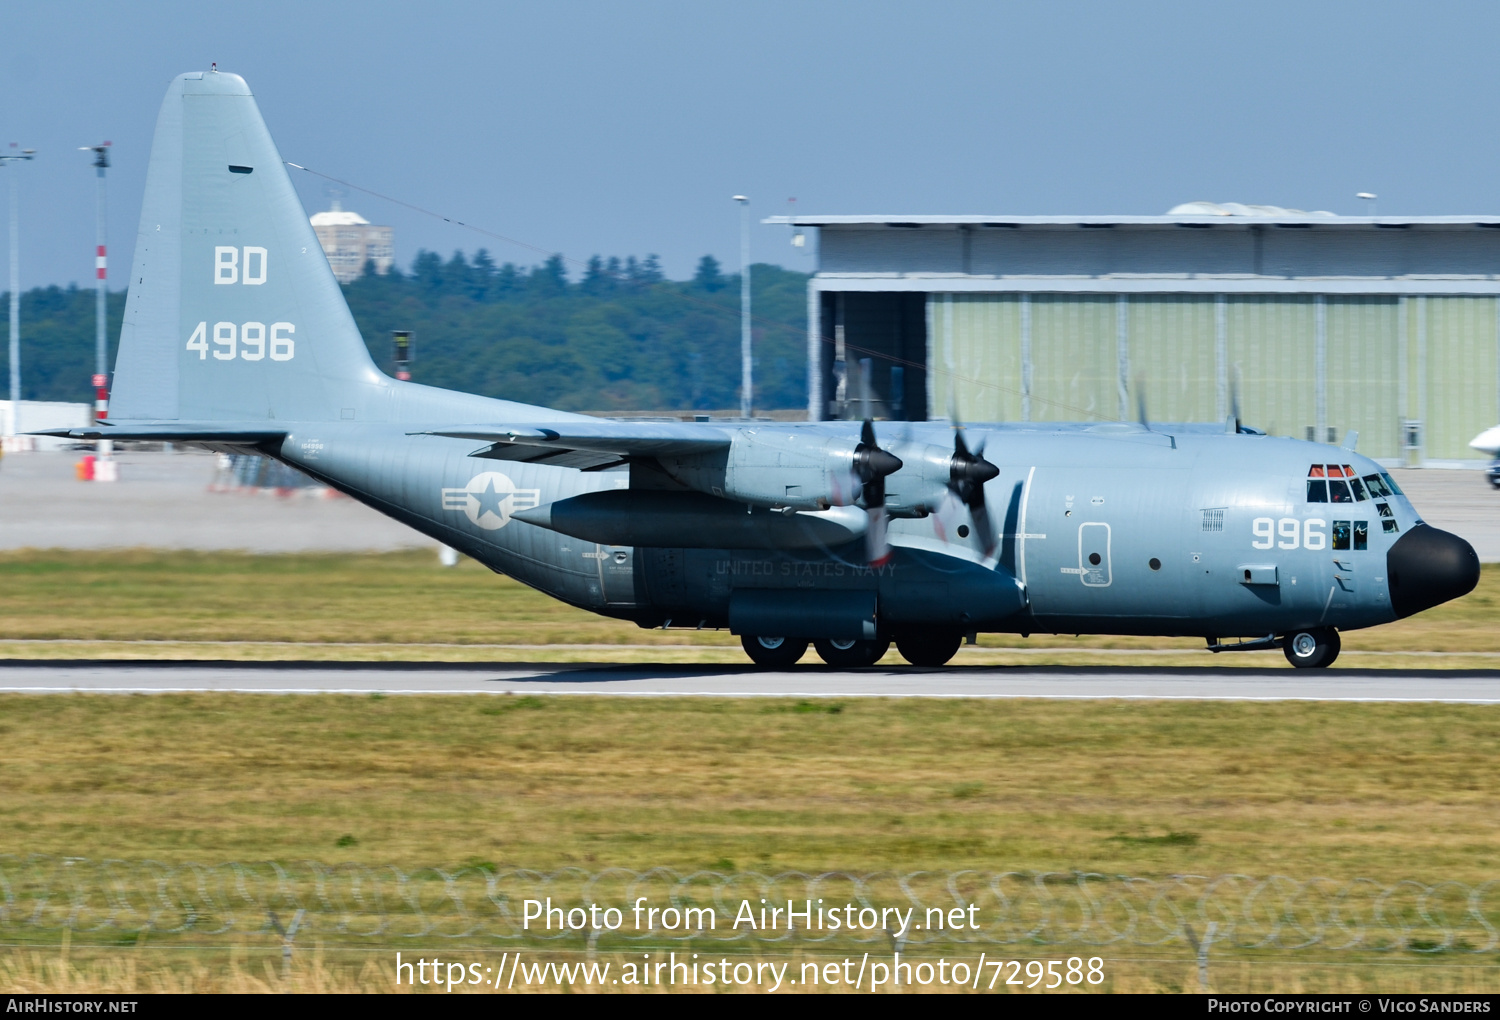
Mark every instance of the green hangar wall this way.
pixel 1310 326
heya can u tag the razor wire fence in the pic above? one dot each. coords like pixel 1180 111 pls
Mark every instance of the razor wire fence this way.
pixel 509 906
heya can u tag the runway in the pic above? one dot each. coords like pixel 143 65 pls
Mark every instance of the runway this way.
pixel 1143 683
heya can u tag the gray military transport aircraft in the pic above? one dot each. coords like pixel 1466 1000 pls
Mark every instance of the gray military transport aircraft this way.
pixel 236 337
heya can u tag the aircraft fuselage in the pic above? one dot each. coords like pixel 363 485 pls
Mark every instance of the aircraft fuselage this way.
pixel 1122 531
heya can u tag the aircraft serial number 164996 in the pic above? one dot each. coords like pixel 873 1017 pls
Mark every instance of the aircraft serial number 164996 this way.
pixel 248 340
pixel 1308 534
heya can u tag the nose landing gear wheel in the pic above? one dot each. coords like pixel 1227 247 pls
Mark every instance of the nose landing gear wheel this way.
pixel 933 649
pixel 1311 649
pixel 850 654
pixel 773 652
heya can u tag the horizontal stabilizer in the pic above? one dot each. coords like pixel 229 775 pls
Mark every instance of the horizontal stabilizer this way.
pixel 174 432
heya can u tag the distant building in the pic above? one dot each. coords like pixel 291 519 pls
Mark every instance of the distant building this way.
pixel 1314 325
pixel 349 240
pixel 42 414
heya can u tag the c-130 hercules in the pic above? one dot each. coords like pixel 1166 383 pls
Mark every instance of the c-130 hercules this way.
pixel 236 337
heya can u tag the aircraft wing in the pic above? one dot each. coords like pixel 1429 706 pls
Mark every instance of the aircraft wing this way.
pixel 589 445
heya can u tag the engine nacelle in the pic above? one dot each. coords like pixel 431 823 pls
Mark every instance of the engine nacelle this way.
pixel 806 470
pixel 802 470
pixel 919 487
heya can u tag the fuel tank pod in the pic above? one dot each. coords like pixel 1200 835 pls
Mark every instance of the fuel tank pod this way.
pixel 691 520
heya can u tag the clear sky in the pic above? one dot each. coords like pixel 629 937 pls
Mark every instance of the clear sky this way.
pixel 625 127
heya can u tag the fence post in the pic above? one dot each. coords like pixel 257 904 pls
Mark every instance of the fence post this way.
pixel 1200 949
pixel 288 935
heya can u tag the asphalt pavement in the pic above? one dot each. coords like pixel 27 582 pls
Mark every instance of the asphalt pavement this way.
pixel 1143 683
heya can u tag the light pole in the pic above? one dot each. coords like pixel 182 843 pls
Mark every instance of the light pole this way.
pixel 745 360
pixel 14 426
pixel 101 295
pixel 1369 199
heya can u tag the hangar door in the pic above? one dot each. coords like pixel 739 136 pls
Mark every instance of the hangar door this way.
pixel 1303 365
pixel 874 339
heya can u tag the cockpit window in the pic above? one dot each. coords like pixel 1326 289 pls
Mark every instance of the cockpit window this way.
pixel 1390 483
pixel 1377 487
pixel 1337 483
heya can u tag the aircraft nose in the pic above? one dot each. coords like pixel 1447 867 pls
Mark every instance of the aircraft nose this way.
pixel 1428 567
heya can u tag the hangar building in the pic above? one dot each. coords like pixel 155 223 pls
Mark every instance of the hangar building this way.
pixel 1320 324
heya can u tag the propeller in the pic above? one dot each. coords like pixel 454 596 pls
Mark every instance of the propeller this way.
pixel 871 466
pixel 967 473
pixel 966 477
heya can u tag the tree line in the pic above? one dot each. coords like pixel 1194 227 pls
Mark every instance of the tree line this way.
pixel 612 335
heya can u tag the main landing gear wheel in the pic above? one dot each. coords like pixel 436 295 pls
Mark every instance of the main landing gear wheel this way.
pixel 934 648
pixel 850 653
pixel 1311 649
pixel 773 652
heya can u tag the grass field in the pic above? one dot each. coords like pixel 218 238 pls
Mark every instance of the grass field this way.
pixel 147 604
pixel 1329 789
pixel 1337 790
pixel 1342 790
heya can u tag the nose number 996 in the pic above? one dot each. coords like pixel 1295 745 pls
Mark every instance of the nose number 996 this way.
pixel 1289 533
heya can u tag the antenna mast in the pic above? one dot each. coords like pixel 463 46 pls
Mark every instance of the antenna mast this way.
pixel 101 293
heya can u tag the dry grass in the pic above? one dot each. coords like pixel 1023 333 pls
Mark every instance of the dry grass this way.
pixel 1340 790
pixel 1385 790
pixel 59 604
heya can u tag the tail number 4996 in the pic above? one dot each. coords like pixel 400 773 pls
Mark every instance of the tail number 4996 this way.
pixel 1289 533
pixel 248 341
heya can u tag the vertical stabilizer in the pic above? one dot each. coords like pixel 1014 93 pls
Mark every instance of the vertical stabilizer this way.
pixel 233 312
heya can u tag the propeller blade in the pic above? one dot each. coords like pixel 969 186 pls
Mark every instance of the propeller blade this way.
pixel 984 528
pixel 871 463
pixel 967 474
pixel 877 549
pixel 871 466
pixel 864 389
pixel 845 488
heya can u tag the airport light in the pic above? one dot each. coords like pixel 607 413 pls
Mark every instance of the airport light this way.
pixel 402 342
pixel 14 425
pixel 1368 197
pixel 746 369
pixel 101 294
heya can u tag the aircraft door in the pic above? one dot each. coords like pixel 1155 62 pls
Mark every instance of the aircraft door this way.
pixel 1106 542
pixel 1093 554
pixel 616 574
